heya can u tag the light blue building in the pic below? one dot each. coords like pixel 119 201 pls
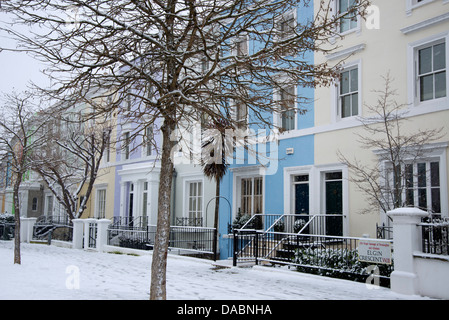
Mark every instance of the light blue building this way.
pixel 277 182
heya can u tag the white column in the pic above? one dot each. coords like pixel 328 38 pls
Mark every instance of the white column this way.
pixel 153 193
pixel 406 240
pixel 78 233
pixel 26 229
pixel 102 233
pixel 122 198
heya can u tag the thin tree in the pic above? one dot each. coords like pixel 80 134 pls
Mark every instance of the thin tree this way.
pixel 179 60
pixel 384 132
pixel 20 127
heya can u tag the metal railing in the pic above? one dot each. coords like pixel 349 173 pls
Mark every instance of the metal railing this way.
pixel 50 228
pixel 320 254
pixel 435 237
pixel 129 222
pixel 193 239
pixel 189 222
pixel 326 224
pixel 384 232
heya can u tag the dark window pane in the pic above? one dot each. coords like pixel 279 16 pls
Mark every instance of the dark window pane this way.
pixel 422 198
pixel 346 106
pixel 302 178
pixel 354 73
pixel 355 104
pixel 421 175
pixel 426 87
pixel 425 60
pixel 436 204
pixel 440 84
pixel 435 174
pixel 439 56
pixel 334 175
pixel 344 82
pixel 409 176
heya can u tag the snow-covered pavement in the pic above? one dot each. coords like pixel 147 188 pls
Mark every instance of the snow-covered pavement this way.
pixel 50 272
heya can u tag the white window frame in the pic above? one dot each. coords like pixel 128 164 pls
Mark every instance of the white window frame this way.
pixel 336 104
pixel 357 29
pixel 277 115
pixel 49 204
pixel 98 205
pixel 126 146
pixel 240 173
pixel 411 5
pixel 239 39
pixel 187 185
pixel 434 152
pixel 234 115
pixel 147 143
pixel 413 79
pixel 281 19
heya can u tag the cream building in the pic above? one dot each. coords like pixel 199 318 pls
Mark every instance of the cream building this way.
pixel 407 39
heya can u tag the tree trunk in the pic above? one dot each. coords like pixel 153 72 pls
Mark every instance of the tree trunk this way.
pixel 17 259
pixel 162 238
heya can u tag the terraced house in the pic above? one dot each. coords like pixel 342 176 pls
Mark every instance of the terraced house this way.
pixel 335 170
pixel 340 157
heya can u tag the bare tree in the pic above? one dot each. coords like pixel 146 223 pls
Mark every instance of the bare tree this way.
pixel 384 181
pixel 69 160
pixel 20 124
pixel 179 60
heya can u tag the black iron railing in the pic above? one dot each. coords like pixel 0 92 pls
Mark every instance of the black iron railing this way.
pixel 320 254
pixel 435 237
pixel 185 238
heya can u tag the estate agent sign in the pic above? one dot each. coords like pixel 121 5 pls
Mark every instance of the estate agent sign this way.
pixel 374 251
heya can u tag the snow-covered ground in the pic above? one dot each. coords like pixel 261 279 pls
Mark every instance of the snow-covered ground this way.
pixel 50 272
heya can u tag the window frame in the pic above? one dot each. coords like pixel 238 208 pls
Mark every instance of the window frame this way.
pixel 278 115
pixel 413 71
pixel 242 123
pixel 100 204
pixel 148 137
pixel 252 195
pixel 235 45
pixel 279 26
pixel 357 28
pixel 411 5
pixel 199 213
pixel 126 151
pixel 34 204
pixel 337 106
pixel 433 152
pixel 420 75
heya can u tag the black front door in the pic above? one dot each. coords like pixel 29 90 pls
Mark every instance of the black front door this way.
pixel 334 204
pixel 301 187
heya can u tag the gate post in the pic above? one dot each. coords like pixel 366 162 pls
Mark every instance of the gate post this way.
pixel 406 240
pixel 77 239
pixel 26 229
pixel 235 249
pixel 102 233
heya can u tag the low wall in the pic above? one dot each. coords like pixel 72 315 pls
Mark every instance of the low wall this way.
pixel 415 272
pixel 432 275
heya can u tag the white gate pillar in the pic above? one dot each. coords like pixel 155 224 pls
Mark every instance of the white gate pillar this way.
pixel 26 229
pixel 102 233
pixel 78 233
pixel 406 240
